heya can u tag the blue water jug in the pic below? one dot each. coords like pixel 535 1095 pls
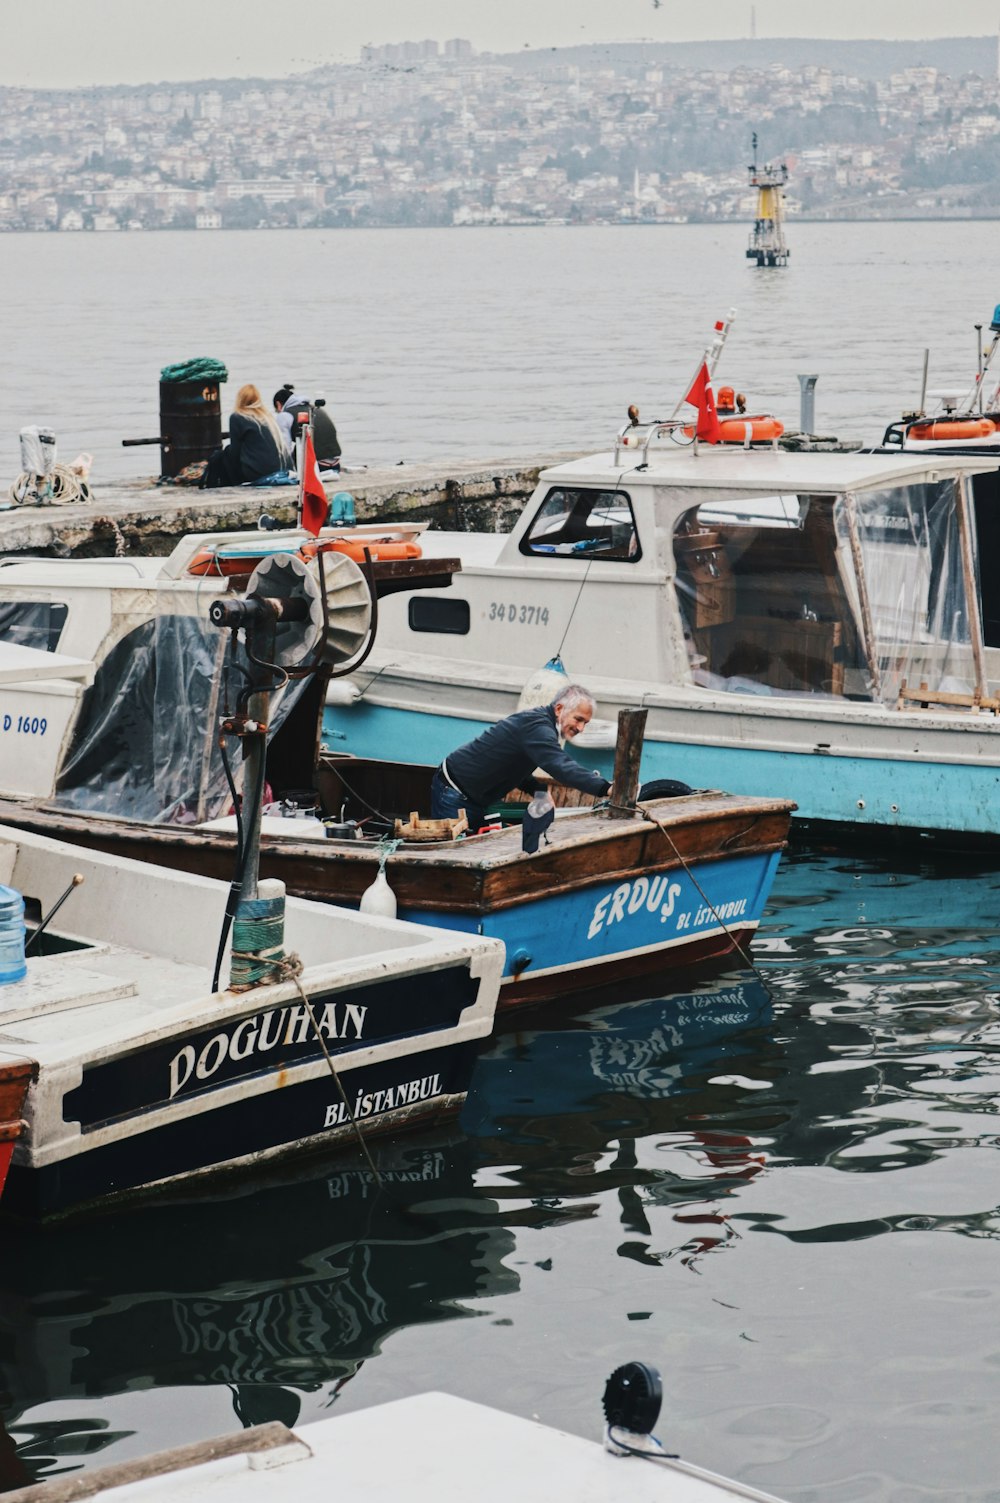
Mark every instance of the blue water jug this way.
pixel 12 963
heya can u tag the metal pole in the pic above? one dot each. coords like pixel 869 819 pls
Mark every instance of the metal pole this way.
pixel 807 404
pixel 923 383
pixel 258 708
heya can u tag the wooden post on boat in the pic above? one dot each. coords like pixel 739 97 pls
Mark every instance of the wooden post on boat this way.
pixel 628 751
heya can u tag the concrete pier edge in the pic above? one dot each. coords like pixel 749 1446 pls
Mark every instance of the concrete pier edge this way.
pixel 145 517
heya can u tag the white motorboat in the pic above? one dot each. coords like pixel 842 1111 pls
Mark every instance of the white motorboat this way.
pixel 141 1074
pixel 817 625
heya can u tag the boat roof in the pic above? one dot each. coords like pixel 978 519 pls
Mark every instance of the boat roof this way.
pixel 714 467
pixel 55 572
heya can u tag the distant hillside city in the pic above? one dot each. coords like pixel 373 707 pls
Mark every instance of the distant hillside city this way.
pixel 422 133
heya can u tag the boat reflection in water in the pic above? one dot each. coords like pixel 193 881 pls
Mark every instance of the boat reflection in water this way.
pixel 586 1103
pixel 272 1298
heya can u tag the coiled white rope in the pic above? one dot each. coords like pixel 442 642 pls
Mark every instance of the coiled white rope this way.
pixel 64 485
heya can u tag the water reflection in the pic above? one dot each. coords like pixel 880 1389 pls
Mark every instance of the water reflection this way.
pixel 782 1190
pixel 272 1292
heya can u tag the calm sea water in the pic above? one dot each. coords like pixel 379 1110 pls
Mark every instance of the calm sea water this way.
pixel 439 343
pixel 784 1195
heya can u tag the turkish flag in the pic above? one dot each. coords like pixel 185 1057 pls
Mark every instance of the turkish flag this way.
pixel 702 396
pixel 314 503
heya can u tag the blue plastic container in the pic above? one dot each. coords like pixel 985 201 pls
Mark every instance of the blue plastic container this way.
pixel 12 963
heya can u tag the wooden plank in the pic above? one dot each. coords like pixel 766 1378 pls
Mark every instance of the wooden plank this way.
pixel 271 1436
pixel 628 751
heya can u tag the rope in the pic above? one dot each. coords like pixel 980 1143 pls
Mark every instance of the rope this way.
pixel 289 968
pixel 258 943
pixel 62 486
pixel 743 954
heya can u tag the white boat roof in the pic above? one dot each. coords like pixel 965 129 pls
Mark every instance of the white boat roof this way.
pixel 734 468
pixel 50 572
pixel 20 665
pixel 425 1449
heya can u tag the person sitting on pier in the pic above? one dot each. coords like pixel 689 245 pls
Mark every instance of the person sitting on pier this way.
pixel 256 447
pixel 283 418
pixel 326 444
pixel 505 756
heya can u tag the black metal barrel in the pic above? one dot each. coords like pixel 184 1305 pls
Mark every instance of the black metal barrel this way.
pixel 190 423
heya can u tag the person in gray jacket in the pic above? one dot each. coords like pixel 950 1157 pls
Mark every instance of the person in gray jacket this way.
pixel 505 756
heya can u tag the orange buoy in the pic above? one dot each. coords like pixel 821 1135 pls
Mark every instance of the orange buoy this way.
pixel 223 563
pixel 762 429
pixel 952 428
pixel 378 548
pixel 735 430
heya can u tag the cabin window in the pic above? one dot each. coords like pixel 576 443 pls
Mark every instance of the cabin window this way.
pixel 439 613
pixel 583 524
pixel 32 623
pixel 848 596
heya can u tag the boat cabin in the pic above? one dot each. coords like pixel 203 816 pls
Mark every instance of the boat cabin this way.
pixel 845 576
pixel 113 679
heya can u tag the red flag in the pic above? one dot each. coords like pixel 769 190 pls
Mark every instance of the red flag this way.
pixel 314 503
pixel 702 397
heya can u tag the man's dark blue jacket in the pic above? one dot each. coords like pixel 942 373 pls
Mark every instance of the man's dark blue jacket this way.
pixel 506 755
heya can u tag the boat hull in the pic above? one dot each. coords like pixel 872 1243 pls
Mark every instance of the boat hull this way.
pixel 247 1082
pixel 648 923
pixel 912 777
pixel 605 900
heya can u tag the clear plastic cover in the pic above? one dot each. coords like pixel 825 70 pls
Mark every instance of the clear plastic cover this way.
pixel 905 547
pixel 145 744
pixel 848 597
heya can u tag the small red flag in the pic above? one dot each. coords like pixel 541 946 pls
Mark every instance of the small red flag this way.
pixel 314 503
pixel 702 396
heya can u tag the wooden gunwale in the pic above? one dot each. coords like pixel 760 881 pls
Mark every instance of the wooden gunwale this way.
pixel 484 874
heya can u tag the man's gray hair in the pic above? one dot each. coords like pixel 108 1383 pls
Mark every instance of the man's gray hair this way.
pixel 573 695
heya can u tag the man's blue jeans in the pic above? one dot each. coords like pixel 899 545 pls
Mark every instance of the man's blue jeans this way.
pixel 446 803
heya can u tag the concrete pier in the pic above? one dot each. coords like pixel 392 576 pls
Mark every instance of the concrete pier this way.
pixel 145 517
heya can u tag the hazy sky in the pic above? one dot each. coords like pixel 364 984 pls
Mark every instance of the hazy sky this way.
pixel 64 43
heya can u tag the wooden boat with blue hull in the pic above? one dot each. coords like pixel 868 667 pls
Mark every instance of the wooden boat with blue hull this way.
pixel 606 897
pixel 144 1076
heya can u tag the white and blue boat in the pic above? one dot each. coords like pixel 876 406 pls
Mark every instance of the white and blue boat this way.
pixel 821 625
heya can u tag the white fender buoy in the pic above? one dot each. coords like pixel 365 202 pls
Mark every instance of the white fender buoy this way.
pixel 544 685
pixel 379 899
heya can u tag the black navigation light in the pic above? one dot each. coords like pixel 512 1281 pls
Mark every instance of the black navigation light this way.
pixel 632 1398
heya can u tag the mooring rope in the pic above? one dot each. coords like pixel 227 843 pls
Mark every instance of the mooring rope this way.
pixel 282 967
pixel 744 954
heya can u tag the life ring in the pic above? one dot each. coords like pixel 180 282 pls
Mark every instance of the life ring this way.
pixel 942 429
pixel 734 430
pixel 762 429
